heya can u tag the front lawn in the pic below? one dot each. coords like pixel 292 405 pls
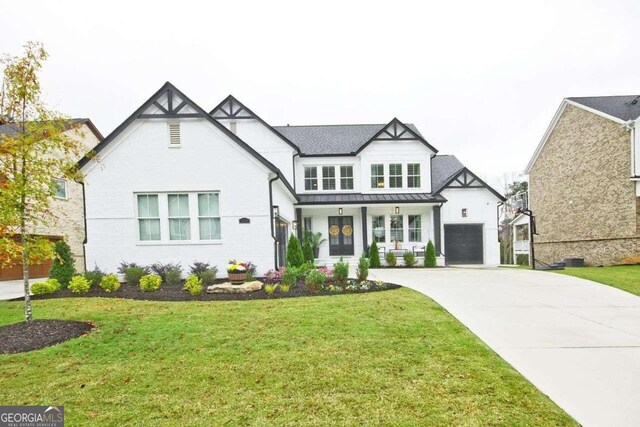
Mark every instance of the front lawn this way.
pixel 385 358
pixel 625 277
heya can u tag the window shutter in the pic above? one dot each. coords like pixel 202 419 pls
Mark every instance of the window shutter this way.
pixel 174 133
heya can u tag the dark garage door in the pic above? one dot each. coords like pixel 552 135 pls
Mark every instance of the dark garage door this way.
pixel 463 244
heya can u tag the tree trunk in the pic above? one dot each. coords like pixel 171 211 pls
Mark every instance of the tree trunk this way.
pixel 25 277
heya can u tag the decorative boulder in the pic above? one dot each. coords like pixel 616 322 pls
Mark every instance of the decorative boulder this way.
pixel 228 288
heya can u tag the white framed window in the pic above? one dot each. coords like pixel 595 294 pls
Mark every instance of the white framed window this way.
pixel 378 228
pixel 328 177
pixel 396 228
pixel 307 223
pixel 174 134
pixel 377 176
pixel 310 178
pixel 61 189
pixel 415 228
pixel 346 177
pixel 209 216
pixel 179 219
pixel 413 175
pixel 395 175
pixel 148 217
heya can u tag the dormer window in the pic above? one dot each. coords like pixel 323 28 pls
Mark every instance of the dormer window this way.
pixel 310 178
pixel 413 175
pixel 395 175
pixel 328 178
pixel 174 134
pixel 377 176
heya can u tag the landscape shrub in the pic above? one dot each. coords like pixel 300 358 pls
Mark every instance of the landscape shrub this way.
pixel 295 257
pixel 150 282
pixel 327 271
pixel 122 268
pixel 162 270
pixel 362 271
pixel 340 271
pixel 173 277
pixel 391 259
pixel 409 259
pixel 270 288
pixel 62 268
pixel 374 256
pixel 205 272
pixel 284 288
pixel 132 275
pixel 46 287
pixel 273 276
pixel 430 255
pixel 94 276
pixel 193 284
pixel 110 283
pixel 79 285
pixel 307 252
pixel 290 276
pixel 315 281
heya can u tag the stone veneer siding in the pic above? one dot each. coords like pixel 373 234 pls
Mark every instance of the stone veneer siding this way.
pixel 580 192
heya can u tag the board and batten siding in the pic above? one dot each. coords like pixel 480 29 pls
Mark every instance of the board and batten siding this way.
pixel 481 207
pixel 141 161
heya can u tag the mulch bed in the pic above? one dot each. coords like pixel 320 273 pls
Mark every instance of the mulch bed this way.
pixel 23 336
pixel 176 293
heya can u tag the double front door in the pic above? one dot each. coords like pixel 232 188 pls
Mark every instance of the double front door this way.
pixel 340 235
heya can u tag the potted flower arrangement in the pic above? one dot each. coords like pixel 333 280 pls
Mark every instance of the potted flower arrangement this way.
pixel 237 272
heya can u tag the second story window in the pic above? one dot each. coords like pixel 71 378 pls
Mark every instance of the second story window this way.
pixel 328 178
pixel 413 175
pixel 310 178
pixel 61 189
pixel 395 175
pixel 346 177
pixel 377 176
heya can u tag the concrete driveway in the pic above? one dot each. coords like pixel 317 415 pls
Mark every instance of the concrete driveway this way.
pixel 576 340
pixel 11 289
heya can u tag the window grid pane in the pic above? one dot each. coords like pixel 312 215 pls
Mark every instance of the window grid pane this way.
pixel 378 229
pixel 413 175
pixel 61 189
pixel 209 216
pixel 179 220
pixel 310 178
pixel 328 178
pixel 396 229
pixel 346 177
pixel 415 228
pixel 395 175
pixel 377 176
pixel 148 217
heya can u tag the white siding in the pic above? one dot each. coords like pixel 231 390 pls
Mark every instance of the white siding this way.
pixel 140 160
pixel 481 207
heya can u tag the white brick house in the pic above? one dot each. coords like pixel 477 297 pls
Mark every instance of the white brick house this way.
pixel 174 183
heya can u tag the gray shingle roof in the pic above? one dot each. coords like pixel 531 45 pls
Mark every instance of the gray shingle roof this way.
pixel 443 168
pixel 13 129
pixel 623 107
pixel 356 198
pixel 332 139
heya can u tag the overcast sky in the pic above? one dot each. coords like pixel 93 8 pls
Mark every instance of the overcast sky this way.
pixel 480 79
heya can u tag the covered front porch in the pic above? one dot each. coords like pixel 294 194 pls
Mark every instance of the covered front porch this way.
pixel 350 229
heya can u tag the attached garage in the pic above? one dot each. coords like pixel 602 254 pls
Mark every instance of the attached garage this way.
pixel 463 243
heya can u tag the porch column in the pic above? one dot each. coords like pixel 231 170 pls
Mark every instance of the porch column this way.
pixel 436 230
pixel 299 221
pixel 365 234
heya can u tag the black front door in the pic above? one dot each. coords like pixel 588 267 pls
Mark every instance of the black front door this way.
pixel 340 235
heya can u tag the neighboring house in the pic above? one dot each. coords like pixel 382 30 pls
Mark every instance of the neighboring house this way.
pixel 584 182
pixel 67 208
pixel 178 184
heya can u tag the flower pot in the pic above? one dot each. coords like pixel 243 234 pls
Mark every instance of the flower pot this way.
pixel 237 278
pixel 316 252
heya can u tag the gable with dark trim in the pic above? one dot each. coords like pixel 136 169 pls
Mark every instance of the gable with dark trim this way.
pixel 463 179
pixel 396 131
pixel 169 102
pixel 230 109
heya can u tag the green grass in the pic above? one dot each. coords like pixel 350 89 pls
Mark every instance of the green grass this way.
pixel 625 277
pixel 388 358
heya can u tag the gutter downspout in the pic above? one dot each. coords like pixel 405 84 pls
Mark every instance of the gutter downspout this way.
pixel 271 219
pixel 293 164
pixel 84 216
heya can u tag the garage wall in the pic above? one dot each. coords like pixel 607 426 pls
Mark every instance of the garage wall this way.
pixel 481 207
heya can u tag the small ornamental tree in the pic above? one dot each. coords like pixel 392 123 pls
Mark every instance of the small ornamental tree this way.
pixel 62 266
pixel 430 255
pixel 295 257
pixel 37 150
pixel 374 256
pixel 307 251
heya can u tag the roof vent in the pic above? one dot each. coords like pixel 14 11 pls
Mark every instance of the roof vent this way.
pixel 635 101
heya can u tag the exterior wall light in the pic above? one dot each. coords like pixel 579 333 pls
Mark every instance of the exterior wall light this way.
pixel 339 211
pixel 397 210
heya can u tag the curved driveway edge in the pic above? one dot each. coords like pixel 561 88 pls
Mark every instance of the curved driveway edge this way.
pixel 577 341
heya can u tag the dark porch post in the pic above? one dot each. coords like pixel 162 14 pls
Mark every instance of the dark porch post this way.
pixel 365 234
pixel 436 230
pixel 299 221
